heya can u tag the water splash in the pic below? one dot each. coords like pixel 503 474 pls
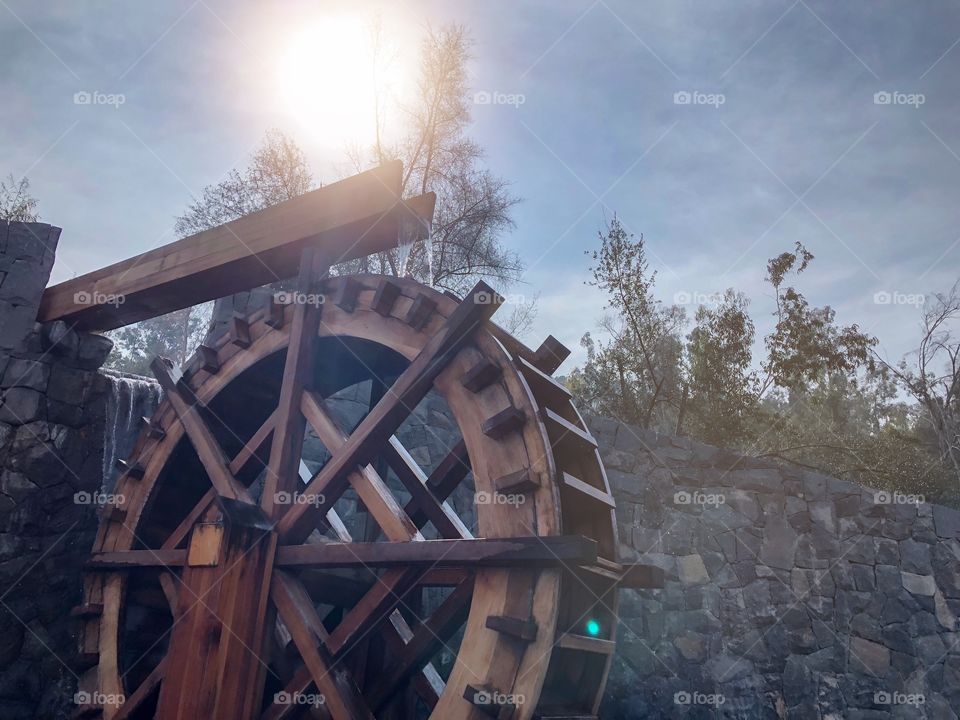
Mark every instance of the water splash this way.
pixel 131 398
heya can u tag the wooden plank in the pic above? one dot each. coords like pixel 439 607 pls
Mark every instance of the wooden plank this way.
pixel 504 422
pixel 206 445
pixel 371 489
pixel 550 355
pixel 579 489
pixel 420 312
pixel 342 698
pixel 287 445
pixel 121 559
pixel 354 217
pixel 443 517
pixel 432 633
pixel 562 430
pixel 481 375
pixel 498 552
pixel 381 422
pixel 143 692
pixel 585 643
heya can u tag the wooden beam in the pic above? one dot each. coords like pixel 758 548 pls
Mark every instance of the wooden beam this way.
pixel 342 697
pixel 208 449
pixel 159 557
pixel 426 639
pixel 349 219
pixel 287 443
pixel 499 552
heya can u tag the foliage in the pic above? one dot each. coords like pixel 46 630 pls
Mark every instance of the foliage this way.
pixel 16 202
pixel 820 398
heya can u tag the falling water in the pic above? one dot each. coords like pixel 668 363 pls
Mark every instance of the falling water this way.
pixel 131 398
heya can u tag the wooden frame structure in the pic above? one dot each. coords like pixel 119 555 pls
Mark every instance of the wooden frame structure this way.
pixel 214 591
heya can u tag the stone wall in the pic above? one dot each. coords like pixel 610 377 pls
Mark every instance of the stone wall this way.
pixel 788 594
pixel 52 407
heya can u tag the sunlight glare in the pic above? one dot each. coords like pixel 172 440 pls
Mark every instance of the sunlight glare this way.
pixel 327 80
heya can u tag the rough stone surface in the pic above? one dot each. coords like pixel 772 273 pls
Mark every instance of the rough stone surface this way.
pixel 826 596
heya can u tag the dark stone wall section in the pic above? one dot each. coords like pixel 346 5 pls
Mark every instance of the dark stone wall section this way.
pixel 52 404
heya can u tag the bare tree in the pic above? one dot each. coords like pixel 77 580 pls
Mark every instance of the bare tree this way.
pixel 16 203
pixel 933 377
pixel 473 205
pixel 277 171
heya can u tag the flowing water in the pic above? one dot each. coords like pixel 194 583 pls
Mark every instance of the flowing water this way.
pixel 131 398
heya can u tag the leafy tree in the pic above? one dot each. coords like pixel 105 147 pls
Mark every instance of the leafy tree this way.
pixel 720 382
pixel 806 345
pixel 174 336
pixel 16 202
pixel 636 375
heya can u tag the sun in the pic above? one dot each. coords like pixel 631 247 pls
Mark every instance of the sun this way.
pixel 328 80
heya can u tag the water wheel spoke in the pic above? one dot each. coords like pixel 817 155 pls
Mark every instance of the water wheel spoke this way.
pixel 341 696
pixel 143 692
pixel 399 401
pixel 429 507
pixel 287 445
pixel 187 408
pixel 429 636
pixel 370 487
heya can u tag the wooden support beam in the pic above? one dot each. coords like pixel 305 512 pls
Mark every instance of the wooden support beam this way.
pixel 287 442
pixel 426 639
pixel 342 697
pixel 500 552
pixel 207 448
pixel 120 559
pixel 349 219
pixel 371 489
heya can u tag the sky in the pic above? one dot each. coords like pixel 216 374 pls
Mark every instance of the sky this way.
pixel 724 132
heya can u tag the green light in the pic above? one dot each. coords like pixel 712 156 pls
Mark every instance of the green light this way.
pixel 593 627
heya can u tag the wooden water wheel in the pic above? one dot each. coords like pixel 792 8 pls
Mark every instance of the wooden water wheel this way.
pixel 226 583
